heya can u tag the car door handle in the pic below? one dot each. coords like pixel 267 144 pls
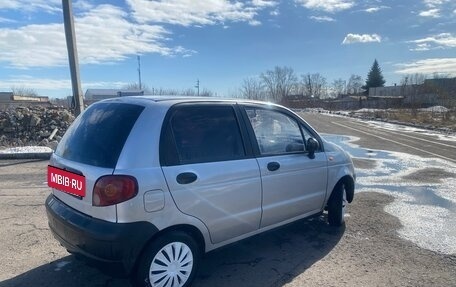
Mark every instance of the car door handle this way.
pixel 272 166
pixel 186 178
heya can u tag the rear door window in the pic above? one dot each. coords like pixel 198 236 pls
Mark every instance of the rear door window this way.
pixel 99 134
pixel 205 133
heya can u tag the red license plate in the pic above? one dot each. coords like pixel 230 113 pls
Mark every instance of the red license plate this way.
pixel 66 181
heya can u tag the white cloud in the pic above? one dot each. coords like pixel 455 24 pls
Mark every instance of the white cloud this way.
pixel 103 35
pixel 322 18
pixel 443 40
pixel 254 23
pixel 108 33
pixel 327 5
pixel 429 66
pixel 421 47
pixel 6 20
pixel 376 9
pixel 276 12
pixel 264 3
pixel 364 38
pixel 49 6
pixel 83 5
pixel 192 13
pixel 434 3
pixel 432 13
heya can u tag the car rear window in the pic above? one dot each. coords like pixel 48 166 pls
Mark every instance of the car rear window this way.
pixel 99 134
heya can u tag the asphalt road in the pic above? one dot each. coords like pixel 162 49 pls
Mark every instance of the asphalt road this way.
pixel 400 140
pixel 367 252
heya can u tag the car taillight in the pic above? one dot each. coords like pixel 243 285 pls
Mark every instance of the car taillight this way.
pixel 114 189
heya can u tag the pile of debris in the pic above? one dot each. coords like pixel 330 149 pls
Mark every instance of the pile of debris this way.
pixel 36 125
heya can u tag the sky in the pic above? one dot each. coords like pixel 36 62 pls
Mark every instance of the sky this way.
pixel 221 42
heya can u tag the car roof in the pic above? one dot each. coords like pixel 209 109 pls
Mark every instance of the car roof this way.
pixel 167 101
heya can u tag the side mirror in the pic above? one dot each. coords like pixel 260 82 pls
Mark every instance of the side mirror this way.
pixel 312 145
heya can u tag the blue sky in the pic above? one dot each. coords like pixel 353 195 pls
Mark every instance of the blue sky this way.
pixel 221 42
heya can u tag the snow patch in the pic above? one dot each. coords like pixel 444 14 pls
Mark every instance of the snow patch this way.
pixel 435 109
pixel 402 128
pixel 426 210
pixel 26 149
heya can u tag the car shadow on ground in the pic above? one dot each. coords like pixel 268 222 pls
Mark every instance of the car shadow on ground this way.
pixel 269 259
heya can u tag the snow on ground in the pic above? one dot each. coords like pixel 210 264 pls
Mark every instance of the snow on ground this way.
pixel 427 210
pixel 26 149
pixel 435 109
pixel 403 128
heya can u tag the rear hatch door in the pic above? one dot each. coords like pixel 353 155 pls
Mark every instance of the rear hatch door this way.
pixel 89 150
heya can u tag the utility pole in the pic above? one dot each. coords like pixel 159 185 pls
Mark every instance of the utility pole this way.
pixel 139 72
pixel 198 86
pixel 72 55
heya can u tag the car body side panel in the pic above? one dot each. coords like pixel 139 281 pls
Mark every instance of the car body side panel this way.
pixel 226 196
pixel 297 187
pixel 134 210
pixel 141 147
pixel 211 246
pixel 339 165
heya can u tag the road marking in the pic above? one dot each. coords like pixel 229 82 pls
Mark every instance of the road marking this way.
pixel 409 136
pixel 399 143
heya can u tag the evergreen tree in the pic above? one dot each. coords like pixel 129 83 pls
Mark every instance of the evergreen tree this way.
pixel 374 77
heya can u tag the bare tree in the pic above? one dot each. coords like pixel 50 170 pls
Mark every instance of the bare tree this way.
pixel 24 91
pixel 313 85
pixel 339 87
pixel 355 84
pixel 206 93
pixel 136 87
pixel 412 89
pixel 279 82
pixel 444 87
pixel 253 89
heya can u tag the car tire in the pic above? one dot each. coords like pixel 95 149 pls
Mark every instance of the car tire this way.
pixel 336 206
pixel 170 260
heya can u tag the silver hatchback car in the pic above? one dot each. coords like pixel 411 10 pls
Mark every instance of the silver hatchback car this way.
pixel 152 183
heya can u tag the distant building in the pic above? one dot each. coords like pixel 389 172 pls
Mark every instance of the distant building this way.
pixel 431 93
pixel 95 95
pixel 9 100
pixel 441 86
pixel 391 91
pixel 6 97
pixel 30 99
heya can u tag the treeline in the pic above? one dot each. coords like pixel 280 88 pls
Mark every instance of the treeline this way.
pixel 169 91
pixel 282 82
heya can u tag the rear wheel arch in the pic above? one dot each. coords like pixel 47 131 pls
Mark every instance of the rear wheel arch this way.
pixel 190 230
pixel 171 259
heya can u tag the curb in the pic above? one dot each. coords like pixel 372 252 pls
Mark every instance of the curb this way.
pixel 27 155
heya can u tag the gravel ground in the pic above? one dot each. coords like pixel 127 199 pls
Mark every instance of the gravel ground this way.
pixel 366 252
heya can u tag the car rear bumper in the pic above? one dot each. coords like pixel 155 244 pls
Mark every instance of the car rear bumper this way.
pixel 117 244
